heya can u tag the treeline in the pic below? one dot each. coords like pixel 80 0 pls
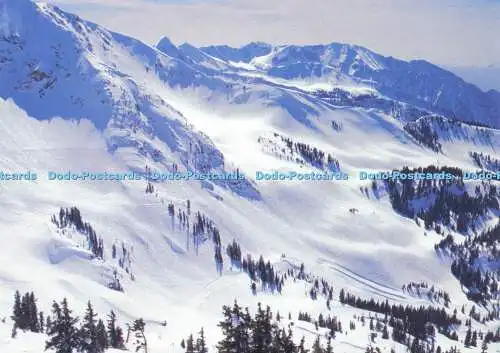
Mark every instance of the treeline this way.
pixel 72 217
pixel 447 201
pixel 405 319
pixel 64 330
pixel 471 264
pixel 301 153
pixel 198 228
pixel 398 110
pixel 258 270
pixel 485 161
pixel 329 322
pixel 423 132
pixel 336 126
pixel 422 289
pixel 244 333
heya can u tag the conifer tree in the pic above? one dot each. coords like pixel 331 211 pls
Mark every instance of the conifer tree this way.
pixel 111 326
pixel 48 324
pixel 201 346
pixel 227 344
pixel 120 340
pixel 301 347
pixel 32 313
pixel 63 335
pixel 88 332
pixel 261 330
pixel 17 311
pixel 385 333
pixel 138 328
pixel 316 348
pixel 288 344
pixel 474 339
pixel 102 336
pixel 41 322
pixel 190 344
pixel 329 348
pixel 468 338
pixel 484 347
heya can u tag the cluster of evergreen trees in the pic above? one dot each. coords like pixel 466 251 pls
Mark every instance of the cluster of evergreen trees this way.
pixel 482 282
pixel 336 126
pixel 433 294
pixel 124 255
pixel 25 314
pixel 150 188
pixel 243 333
pixel 258 271
pixel 311 155
pixel 264 272
pixel 65 334
pixel 423 132
pixel 320 287
pixel 198 228
pixel 414 321
pixel 72 217
pixel 302 153
pixel 195 345
pixel 449 203
pixel 398 110
pixel 485 161
pixel 331 323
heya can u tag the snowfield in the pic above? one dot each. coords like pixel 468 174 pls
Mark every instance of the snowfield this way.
pixel 76 97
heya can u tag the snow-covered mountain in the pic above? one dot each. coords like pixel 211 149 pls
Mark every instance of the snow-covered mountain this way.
pixel 417 82
pixel 77 97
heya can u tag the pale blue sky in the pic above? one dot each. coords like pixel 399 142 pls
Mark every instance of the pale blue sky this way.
pixel 446 32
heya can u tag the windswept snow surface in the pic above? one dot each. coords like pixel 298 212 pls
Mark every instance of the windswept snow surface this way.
pixel 76 97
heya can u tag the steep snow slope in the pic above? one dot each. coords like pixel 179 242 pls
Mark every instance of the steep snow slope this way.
pixel 124 106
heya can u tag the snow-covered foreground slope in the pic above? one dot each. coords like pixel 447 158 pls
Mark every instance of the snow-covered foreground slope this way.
pixel 77 97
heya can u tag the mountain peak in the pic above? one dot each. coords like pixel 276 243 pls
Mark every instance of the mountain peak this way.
pixel 166 46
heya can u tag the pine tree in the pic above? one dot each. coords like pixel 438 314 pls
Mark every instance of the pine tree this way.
pixel 17 311
pixel 342 296
pixel 316 348
pixel 301 347
pixel 120 341
pixel 201 346
pixel 329 348
pixel 261 331
pixel 190 345
pixel 484 347
pixel 63 335
pixel 138 328
pixel 102 336
pixel 41 322
pixel 385 333
pixel 88 332
pixel 288 344
pixel 278 341
pixel 48 324
pixel 473 341
pixel 111 326
pixel 32 314
pixel 468 338
pixel 227 344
